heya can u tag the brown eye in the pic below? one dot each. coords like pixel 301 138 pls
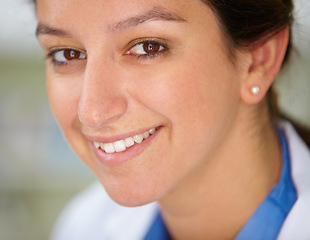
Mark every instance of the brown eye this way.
pixel 70 54
pixel 151 47
pixel 147 49
pixel 66 55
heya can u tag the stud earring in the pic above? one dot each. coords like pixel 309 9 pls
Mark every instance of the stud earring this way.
pixel 255 90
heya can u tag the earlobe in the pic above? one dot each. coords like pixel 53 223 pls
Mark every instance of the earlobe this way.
pixel 266 61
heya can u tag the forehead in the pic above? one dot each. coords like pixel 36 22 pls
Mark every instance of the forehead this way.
pixel 107 12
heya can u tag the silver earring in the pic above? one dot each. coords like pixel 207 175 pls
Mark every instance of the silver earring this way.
pixel 255 90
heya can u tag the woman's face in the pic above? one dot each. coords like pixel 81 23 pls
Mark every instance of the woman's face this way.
pixel 120 68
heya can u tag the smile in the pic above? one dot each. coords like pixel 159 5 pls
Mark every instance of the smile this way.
pixel 122 145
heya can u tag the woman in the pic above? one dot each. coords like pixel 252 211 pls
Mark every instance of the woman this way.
pixel 169 102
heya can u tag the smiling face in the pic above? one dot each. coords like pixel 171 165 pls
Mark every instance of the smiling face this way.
pixel 119 69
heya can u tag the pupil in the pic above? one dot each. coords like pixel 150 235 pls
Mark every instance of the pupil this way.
pixel 151 47
pixel 71 54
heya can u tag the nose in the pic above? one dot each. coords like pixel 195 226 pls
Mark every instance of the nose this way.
pixel 102 99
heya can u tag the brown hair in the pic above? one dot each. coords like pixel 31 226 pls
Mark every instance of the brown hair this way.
pixel 248 22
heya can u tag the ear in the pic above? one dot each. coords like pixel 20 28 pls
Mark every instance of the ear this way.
pixel 266 61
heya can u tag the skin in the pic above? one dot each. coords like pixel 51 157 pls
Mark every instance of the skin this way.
pixel 213 160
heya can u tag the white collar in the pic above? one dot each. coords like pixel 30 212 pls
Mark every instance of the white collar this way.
pixel 297 223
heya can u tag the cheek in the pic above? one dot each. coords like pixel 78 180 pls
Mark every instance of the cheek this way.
pixel 63 95
pixel 199 98
pixel 194 90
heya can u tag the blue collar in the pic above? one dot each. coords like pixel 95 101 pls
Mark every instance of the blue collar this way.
pixel 158 230
pixel 266 222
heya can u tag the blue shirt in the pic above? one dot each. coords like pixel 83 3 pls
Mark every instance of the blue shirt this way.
pixel 266 222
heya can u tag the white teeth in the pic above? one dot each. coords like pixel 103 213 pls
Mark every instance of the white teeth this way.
pixel 129 142
pixel 97 144
pixel 119 146
pixel 152 131
pixel 107 147
pixel 146 135
pixel 138 138
pixel 122 145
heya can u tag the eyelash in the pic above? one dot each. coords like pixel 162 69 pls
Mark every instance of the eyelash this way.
pixel 160 49
pixel 52 55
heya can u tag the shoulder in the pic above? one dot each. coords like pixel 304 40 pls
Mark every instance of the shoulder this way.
pixel 94 215
pixel 296 226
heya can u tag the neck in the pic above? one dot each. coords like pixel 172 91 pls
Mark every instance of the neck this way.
pixel 217 200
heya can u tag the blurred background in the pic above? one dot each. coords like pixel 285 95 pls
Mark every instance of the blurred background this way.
pixel 38 172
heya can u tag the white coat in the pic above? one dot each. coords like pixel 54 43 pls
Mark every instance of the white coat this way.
pixel 93 215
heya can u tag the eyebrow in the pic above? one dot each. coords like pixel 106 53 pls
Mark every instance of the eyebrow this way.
pixel 155 14
pixel 45 29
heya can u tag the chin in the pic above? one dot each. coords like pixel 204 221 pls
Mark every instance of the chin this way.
pixel 130 192
pixel 131 197
pixel 132 201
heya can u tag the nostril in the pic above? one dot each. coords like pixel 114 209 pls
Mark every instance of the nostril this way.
pixel 89 118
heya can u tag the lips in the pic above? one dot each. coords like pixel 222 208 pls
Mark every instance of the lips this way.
pixel 122 144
